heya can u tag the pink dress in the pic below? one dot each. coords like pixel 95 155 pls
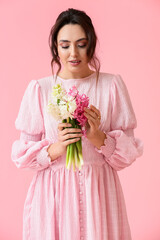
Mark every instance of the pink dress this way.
pixel 88 204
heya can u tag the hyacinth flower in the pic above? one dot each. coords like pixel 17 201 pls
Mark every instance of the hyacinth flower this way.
pixel 69 107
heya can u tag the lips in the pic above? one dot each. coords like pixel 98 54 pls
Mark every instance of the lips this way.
pixel 74 61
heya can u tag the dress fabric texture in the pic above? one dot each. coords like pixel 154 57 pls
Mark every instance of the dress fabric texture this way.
pixel 87 204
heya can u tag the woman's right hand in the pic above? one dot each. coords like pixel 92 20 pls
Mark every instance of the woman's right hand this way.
pixel 66 136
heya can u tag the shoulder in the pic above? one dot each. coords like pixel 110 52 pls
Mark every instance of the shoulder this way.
pixel 104 76
pixel 106 79
pixel 45 82
pixel 41 84
pixel 113 79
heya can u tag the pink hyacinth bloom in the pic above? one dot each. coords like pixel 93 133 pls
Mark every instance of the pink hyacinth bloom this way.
pixel 84 131
pixel 73 91
pixel 82 101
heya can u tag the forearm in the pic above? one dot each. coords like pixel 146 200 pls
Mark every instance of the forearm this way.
pixel 30 152
pixel 121 148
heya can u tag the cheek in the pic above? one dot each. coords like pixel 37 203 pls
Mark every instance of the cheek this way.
pixel 85 57
pixel 84 53
pixel 62 54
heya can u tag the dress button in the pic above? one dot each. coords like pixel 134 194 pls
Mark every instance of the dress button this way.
pixel 80 211
pixel 80 192
pixel 81 228
pixel 80 183
pixel 80 201
pixel 80 173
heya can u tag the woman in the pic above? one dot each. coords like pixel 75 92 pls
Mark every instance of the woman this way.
pixel 63 204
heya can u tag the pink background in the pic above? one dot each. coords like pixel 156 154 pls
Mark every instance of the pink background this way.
pixel 129 44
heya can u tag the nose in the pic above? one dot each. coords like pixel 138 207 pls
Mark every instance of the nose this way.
pixel 74 51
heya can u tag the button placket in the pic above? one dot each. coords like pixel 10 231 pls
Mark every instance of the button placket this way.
pixel 81 202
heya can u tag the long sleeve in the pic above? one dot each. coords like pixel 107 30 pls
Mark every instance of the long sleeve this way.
pixel 120 147
pixel 30 150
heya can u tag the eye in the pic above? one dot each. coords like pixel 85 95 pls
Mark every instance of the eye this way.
pixel 65 47
pixel 82 46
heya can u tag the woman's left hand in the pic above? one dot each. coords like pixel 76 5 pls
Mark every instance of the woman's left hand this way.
pixel 93 133
pixel 94 117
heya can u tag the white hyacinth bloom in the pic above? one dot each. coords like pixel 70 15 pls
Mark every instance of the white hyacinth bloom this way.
pixel 61 106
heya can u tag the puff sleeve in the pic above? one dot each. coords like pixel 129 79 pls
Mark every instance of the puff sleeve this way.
pixel 120 147
pixel 30 150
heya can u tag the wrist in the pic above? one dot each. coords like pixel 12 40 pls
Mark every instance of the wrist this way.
pixel 52 151
pixel 98 139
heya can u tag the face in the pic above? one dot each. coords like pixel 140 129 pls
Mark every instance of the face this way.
pixel 72 49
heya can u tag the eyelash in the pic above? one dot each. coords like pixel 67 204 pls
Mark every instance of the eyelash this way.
pixel 82 46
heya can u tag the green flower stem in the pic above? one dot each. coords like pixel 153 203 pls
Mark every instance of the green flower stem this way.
pixel 67 155
pixel 74 150
pixel 79 150
pixel 77 157
pixel 71 155
pixel 74 158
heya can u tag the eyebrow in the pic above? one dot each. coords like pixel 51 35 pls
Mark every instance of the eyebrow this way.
pixel 76 41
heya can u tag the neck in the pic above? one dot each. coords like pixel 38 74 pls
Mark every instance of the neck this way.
pixel 67 75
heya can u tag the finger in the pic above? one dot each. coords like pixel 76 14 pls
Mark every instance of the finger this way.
pixel 97 115
pixel 71 130
pixel 69 136
pixel 63 125
pixel 91 123
pixel 67 142
pixel 95 110
pixel 65 137
pixel 92 116
pixel 90 113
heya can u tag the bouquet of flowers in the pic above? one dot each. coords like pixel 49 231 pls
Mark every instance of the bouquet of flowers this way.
pixel 69 107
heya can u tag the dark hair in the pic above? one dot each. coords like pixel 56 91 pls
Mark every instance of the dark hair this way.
pixel 74 16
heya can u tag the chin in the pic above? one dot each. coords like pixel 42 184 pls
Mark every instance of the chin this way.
pixel 75 69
